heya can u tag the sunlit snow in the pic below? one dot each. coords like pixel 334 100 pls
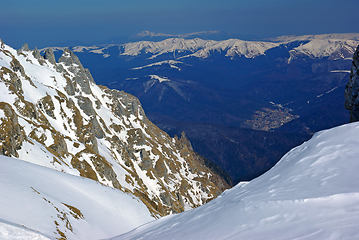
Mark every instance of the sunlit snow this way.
pixel 160 79
pixel 39 199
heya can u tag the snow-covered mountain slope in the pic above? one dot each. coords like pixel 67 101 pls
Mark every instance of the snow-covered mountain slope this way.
pixel 54 115
pixel 183 48
pixel 198 47
pixel 311 193
pixel 170 63
pixel 38 201
pixel 14 231
pixel 321 48
pixel 291 38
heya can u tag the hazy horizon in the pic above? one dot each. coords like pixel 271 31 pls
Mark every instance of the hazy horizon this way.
pixel 44 23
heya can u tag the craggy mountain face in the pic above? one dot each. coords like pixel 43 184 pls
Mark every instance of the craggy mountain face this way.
pixel 352 89
pixel 53 114
pixel 291 84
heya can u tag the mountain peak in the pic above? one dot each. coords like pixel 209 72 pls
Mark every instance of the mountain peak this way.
pixel 25 47
pixel 69 58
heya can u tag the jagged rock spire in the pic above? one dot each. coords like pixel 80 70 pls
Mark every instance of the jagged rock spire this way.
pixel 37 54
pixel 352 89
pixel 25 47
pixel 69 58
pixel 49 55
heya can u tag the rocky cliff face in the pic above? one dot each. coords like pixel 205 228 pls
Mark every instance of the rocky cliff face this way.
pixel 53 114
pixel 352 89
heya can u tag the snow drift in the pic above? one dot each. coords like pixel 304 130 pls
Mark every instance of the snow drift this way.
pixel 61 205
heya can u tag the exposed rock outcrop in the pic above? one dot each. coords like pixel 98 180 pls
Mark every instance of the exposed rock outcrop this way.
pixel 352 89
pixel 11 133
pixel 49 55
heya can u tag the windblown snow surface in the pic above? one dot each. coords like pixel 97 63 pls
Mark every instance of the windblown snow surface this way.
pixel 37 203
pixel 312 193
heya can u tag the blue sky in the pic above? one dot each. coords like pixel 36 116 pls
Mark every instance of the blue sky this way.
pixel 43 23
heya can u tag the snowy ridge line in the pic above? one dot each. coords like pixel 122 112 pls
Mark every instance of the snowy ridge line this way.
pixel 290 38
pixel 172 64
pixel 10 230
pixel 160 79
pixel 321 48
pixel 333 46
pixel 331 90
pixel 340 71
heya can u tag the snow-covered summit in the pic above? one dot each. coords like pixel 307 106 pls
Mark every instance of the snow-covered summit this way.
pixel 331 48
pixel 311 193
pixel 291 38
pixel 198 47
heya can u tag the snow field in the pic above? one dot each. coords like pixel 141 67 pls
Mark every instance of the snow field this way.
pixel 35 197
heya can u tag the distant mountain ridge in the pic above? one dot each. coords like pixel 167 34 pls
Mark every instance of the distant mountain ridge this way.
pixel 232 47
pixel 289 38
pixel 186 35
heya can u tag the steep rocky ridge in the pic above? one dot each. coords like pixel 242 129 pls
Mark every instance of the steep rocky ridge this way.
pixel 53 114
pixel 352 89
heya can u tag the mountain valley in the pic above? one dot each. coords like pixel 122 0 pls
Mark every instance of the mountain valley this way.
pixel 286 84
